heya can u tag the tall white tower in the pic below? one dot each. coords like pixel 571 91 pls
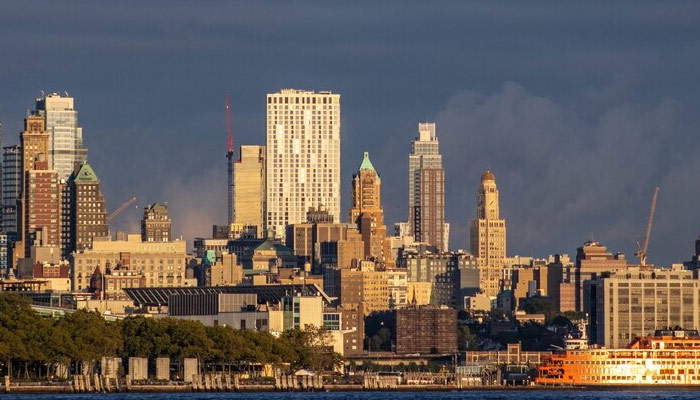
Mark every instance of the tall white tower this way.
pixel 303 156
pixel 65 135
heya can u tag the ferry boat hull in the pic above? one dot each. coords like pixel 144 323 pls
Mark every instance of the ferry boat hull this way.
pixel 653 361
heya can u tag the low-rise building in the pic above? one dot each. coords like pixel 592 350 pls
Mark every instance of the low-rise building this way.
pixel 202 245
pixel 268 308
pixel 479 303
pixel 269 255
pixel 221 269
pixel 162 264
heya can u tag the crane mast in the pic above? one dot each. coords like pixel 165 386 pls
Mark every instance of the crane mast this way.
pixel 229 156
pixel 120 209
pixel 642 250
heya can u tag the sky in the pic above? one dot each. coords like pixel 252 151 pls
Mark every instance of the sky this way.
pixel 580 108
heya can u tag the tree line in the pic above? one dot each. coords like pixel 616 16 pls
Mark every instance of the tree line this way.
pixel 34 347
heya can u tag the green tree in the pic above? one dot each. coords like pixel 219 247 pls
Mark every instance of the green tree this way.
pixel 312 349
pixel 465 339
pixel 16 321
pixel 538 305
pixel 92 338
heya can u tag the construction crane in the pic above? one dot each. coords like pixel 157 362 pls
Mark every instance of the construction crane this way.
pixel 120 209
pixel 642 251
pixel 229 156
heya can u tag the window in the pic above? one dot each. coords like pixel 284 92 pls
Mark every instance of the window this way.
pixel 331 321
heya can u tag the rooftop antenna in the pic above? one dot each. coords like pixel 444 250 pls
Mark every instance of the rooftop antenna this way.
pixel 229 156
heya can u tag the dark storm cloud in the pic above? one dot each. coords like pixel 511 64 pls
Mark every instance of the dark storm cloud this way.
pixel 579 107
pixel 563 177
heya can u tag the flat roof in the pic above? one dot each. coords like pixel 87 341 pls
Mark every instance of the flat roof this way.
pixel 159 296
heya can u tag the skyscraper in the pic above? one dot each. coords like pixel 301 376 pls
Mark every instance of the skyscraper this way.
pixel 488 236
pixel 426 189
pixel 366 211
pixel 88 212
pixel 303 156
pixel 11 186
pixel 249 183
pixel 65 136
pixel 41 206
pixel 34 142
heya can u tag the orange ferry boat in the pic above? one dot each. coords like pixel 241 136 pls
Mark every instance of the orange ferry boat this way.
pixel 667 358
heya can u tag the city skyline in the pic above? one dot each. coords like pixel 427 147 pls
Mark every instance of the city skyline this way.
pixel 467 247
pixel 551 180
pixel 249 162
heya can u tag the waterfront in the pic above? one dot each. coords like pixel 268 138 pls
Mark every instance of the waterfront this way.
pixel 534 394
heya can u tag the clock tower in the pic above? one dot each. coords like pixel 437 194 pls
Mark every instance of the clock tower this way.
pixel 488 236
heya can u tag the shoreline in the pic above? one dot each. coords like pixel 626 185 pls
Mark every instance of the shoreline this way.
pixel 32 388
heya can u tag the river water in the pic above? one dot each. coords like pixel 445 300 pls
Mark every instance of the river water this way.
pixel 627 394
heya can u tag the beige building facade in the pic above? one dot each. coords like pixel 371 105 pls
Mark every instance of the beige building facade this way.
pixel 249 187
pixel 225 271
pixel 365 287
pixel 488 236
pixel 635 304
pixel 162 264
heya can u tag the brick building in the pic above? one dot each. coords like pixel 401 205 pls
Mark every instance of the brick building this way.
pixel 426 330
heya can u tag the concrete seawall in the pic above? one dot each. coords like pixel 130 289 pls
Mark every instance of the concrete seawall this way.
pixel 68 388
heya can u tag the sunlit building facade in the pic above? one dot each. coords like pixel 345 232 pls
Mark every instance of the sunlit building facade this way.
pixel 303 156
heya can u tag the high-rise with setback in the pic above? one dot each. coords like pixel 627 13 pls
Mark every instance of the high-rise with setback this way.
pixel 65 135
pixel 366 211
pixel 488 236
pixel 303 156
pixel 34 142
pixel 87 209
pixel 426 189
